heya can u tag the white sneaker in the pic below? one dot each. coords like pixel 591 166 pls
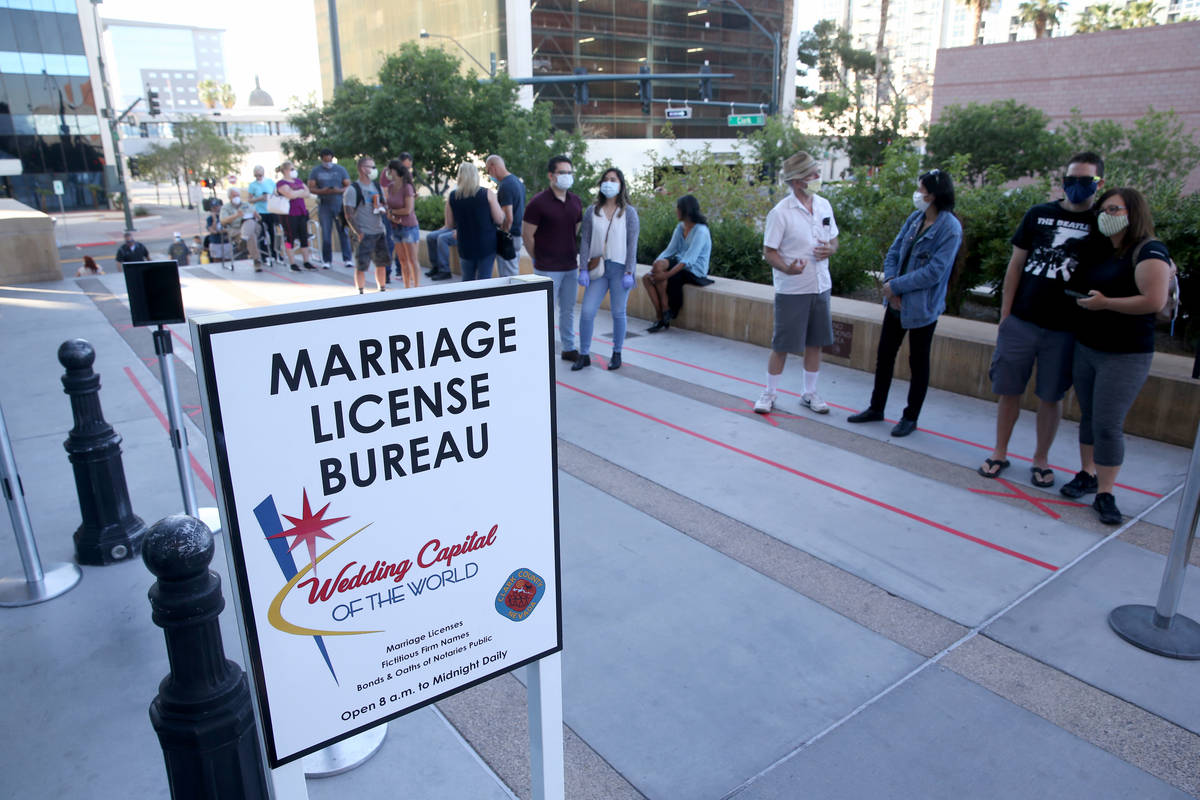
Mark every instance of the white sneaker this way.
pixel 814 402
pixel 766 402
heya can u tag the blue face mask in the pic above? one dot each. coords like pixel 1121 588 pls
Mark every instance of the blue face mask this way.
pixel 1079 191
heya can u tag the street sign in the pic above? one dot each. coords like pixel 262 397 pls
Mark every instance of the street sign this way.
pixel 746 120
pixel 367 587
pixel 679 113
pixel 58 187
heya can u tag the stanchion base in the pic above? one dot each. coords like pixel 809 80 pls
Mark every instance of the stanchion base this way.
pixel 1135 624
pixel 57 579
pixel 344 756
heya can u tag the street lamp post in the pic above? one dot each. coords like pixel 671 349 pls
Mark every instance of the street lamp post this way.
pixel 491 72
pixel 774 37
pixel 113 120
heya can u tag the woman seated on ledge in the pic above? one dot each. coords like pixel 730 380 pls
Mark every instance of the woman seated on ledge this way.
pixel 684 261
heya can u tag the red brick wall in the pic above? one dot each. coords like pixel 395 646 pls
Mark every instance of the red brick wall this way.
pixel 1114 75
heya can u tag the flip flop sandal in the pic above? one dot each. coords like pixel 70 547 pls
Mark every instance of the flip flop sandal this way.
pixel 997 464
pixel 1042 478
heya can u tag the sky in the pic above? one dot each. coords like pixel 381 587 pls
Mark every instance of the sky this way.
pixel 253 32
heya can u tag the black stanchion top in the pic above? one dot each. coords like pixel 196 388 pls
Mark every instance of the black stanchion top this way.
pixel 178 547
pixel 76 354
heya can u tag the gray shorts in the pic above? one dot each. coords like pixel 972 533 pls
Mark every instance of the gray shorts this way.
pixel 802 320
pixel 1018 345
pixel 372 246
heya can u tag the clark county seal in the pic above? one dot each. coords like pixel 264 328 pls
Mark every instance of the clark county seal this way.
pixel 519 595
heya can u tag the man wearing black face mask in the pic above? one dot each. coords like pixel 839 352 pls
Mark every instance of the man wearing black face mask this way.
pixel 1036 313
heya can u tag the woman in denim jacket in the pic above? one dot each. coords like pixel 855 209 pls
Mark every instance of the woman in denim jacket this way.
pixel 915 273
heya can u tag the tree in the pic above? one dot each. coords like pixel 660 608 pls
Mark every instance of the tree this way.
pixel 1139 14
pixel 1156 148
pixel 228 98
pixel 847 73
pixel 209 91
pixel 979 6
pixel 771 144
pixel 1004 139
pixel 528 141
pixel 880 58
pixel 1042 14
pixel 1097 17
pixel 421 104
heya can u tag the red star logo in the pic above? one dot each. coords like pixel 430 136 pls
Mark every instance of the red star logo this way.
pixel 308 528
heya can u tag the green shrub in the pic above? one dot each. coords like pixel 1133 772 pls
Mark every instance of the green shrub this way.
pixel 431 212
pixel 141 211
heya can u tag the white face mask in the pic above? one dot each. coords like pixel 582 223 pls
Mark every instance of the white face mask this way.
pixel 293 174
pixel 373 173
pixel 610 188
pixel 919 202
pixel 564 181
pixel 1112 224
pixel 814 186
pixel 237 201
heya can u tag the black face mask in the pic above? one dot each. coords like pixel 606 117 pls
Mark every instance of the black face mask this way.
pixel 1079 188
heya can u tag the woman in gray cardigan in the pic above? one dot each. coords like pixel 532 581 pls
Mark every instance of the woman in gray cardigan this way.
pixel 607 260
pixel 916 271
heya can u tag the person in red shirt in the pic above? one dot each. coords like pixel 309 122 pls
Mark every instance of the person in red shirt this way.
pixel 551 221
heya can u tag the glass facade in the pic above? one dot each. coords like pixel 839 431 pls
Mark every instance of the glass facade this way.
pixel 171 59
pixel 368 29
pixel 48 107
pixel 616 37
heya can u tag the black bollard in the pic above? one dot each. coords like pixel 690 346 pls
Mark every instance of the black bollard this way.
pixel 110 530
pixel 202 713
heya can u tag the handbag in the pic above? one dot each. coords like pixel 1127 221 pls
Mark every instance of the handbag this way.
pixel 596 265
pixel 278 204
pixel 505 247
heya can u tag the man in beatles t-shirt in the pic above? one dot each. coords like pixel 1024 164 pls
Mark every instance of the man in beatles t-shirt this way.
pixel 1037 314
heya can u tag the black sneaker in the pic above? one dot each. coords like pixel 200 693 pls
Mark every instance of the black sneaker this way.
pixel 1106 506
pixel 1083 483
pixel 570 355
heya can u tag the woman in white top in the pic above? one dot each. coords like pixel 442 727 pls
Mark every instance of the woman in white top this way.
pixel 607 260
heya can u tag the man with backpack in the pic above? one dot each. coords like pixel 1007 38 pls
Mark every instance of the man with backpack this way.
pixel 365 209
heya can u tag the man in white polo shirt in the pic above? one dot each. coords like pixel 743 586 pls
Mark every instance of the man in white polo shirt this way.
pixel 799 238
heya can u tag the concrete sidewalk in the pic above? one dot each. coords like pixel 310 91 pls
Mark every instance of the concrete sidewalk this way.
pixel 799 598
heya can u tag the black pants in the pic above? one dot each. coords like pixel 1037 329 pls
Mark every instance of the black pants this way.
pixel 920 342
pixel 675 288
pixel 266 236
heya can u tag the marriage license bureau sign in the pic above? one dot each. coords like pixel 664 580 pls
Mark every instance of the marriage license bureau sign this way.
pixel 388 475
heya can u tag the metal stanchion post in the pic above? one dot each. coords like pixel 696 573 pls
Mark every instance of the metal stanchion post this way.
pixel 1160 629
pixel 39 584
pixel 345 755
pixel 164 349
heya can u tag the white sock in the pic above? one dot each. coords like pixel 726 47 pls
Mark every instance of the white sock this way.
pixel 810 381
pixel 772 383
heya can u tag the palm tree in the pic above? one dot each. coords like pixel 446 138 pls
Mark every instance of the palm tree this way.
pixel 210 92
pixel 1042 14
pixel 1097 17
pixel 228 98
pixel 879 57
pixel 980 6
pixel 1139 14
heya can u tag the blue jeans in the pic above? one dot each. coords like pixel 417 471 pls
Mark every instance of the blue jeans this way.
pixel 476 269
pixel 565 289
pixel 326 214
pixel 592 295
pixel 438 243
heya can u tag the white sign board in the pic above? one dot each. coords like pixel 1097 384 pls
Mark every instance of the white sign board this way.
pixel 58 187
pixel 388 482
pixel 679 113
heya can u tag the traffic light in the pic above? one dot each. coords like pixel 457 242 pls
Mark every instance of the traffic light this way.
pixel 152 101
pixel 581 88
pixel 644 89
pixel 134 169
pixel 705 83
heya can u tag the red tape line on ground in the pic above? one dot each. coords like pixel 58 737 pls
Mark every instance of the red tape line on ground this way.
pixel 201 473
pixel 821 482
pixel 846 408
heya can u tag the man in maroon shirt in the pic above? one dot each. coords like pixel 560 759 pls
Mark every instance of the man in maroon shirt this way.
pixel 551 222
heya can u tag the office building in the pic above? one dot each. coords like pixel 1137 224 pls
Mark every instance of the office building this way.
pixel 50 129
pixel 603 37
pixel 172 59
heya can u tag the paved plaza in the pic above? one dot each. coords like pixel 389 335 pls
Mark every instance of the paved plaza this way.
pixel 782 606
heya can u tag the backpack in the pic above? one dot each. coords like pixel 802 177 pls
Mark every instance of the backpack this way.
pixel 1169 312
pixel 358 193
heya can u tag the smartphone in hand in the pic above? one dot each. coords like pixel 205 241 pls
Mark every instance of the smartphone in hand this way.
pixel 1076 295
